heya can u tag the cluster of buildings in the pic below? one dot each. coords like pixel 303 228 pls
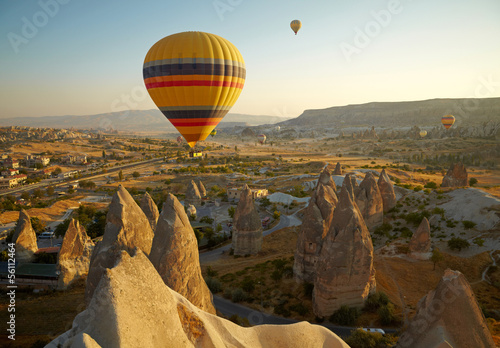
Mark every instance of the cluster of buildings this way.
pixel 13 133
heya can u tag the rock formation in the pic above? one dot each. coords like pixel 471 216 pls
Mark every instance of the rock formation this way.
pixel 456 176
pixel 247 227
pixel 369 201
pixel 25 238
pixel 132 307
pixel 345 274
pixel 191 210
pixel 175 256
pixel 350 184
pixel 315 223
pixel 449 313
pixel 421 240
pixel 193 195
pixel 149 208
pixel 338 169
pixel 201 188
pixel 387 191
pixel 74 256
pixel 127 228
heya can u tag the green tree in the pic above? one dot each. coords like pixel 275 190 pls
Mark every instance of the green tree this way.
pixel 61 229
pixel 276 215
pixel 231 210
pixel 37 225
pixel 436 257
pixel 136 174
pixel 25 195
pixel 345 316
pixel 49 191
pixel 472 181
pixel 103 154
pixel 120 175
pixel 37 193
pixel 57 171
pixel 458 243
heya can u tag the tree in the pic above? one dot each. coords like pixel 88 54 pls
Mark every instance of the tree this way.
pixel 458 243
pixel 231 210
pixel 57 171
pixel 276 215
pixel 37 225
pixel 136 174
pixel 436 257
pixel 103 154
pixel 49 191
pixel 472 181
pixel 25 195
pixel 37 193
pixel 120 175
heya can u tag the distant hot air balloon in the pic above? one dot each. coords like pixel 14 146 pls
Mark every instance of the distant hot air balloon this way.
pixel 278 128
pixel 447 121
pixel 261 138
pixel 213 133
pixel 194 78
pixel 179 140
pixel 423 133
pixel 295 25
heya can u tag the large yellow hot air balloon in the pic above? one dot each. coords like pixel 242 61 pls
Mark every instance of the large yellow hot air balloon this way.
pixel 295 25
pixel 447 121
pixel 194 78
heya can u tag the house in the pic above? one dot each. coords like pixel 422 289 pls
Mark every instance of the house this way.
pixel 7 183
pixel 32 161
pixel 9 172
pixel 235 192
pixel 11 163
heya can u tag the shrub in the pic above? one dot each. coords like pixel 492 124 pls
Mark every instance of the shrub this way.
pixel 479 241
pixel 384 229
pixel 386 314
pixel 362 339
pixel 300 308
pixel 472 181
pixel 248 284
pixel 211 272
pixel 282 310
pixel 417 188
pixel 213 284
pixel 345 316
pixel 468 224
pixel 375 301
pixel 229 277
pixel 277 275
pixel 431 185
pixel 406 232
pixel 238 295
pixel 458 243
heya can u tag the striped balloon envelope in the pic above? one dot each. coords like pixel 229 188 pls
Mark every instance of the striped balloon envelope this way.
pixel 447 121
pixel 194 78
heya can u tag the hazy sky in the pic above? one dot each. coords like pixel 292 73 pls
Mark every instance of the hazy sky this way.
pixel 75 57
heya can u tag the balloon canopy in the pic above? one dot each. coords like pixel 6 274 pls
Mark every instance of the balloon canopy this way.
pixel 261 138
pixel 213 133
pixel 447 121
pixel 423 133
pixel 194 78
pixel 295 25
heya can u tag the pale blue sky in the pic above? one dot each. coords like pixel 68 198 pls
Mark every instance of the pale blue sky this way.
pixel 88 56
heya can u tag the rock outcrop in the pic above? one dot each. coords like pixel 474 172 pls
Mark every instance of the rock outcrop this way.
pixel 175 256
pixel 127 228
pixel 369 201
pixel 338 169
pixel 24 238
pixel 315 224
pixel 387 191
pixel 191 210
pixel 193 195
pixel 456 176
pixel 73 259
pixel 350 184
pixel 132 307
pixel 421 240
pixel 345 274
pixel 201 188
pixel 150 209
pixel 450 313
pixel 247 226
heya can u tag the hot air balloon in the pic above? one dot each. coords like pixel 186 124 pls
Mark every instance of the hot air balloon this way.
pixel 179 140
pixel 194 78
pixel 261 138
pixel 278 128
pixel 423 133
pixel 447 121
pixel 213 133
pixel 295 25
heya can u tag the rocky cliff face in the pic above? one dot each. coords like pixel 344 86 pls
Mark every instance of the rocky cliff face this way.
pixel 201 188
pixel 74 255
pixel 193 195
pixel 175 256
pixel 421 240
pixel 132 307
pixel 25 238
pixel 369 201
pixel 450 315
pixel 315 224
pixel 345 274
pixel 456 176
pixel 338 169
pixel 387 191
pixel 127 228
pixel 150 209
pixel 247 226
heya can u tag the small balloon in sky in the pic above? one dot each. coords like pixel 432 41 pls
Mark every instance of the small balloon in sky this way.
pixel 295 25
pixel 447 121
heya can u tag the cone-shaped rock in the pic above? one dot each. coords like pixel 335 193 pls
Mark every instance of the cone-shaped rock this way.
pixel 193 195
pixel 345 274
pixel 315 224
pixel 387 191
pixel 369 201
pixel 175 256
pixel 127 228
pixel 201 188
pixel 247 226
pixel 74 255
pixel 25 238
pixel 350 184
pixel 456 176
pixel 150 209
pixel 421 240
pixel 338 169
pixel 132 307
pixel 449 313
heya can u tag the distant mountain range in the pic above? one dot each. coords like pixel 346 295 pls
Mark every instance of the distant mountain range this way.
pixel 467 111
pixel 132 120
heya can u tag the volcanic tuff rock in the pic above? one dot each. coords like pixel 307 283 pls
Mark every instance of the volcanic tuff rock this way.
pixel 74 255
pixel 338 169
pixel 350 184
pixel 201 188
pixel 149 208
pixel 369 201
pixel 387 191
pixel 134 308
pixel 25 238
pixel 345 274
pixel 193 195
pixel 449 313
pixel 175 256
pixel 315 224
pixel 421 240
pixel 456 176
pixel 247 226
pixel 127 228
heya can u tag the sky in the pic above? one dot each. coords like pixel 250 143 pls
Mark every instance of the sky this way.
pixel 75 57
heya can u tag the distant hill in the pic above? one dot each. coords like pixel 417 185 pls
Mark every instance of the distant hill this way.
pixel 133 120
pixel 401 114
